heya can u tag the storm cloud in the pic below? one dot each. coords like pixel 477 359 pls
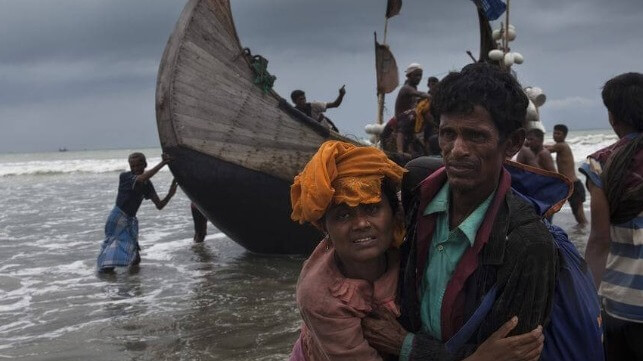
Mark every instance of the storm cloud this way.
pixel 82 74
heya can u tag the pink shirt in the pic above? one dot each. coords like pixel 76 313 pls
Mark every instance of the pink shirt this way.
pixel 332 307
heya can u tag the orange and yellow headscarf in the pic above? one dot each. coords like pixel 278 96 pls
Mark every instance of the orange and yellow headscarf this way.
pixel 342 173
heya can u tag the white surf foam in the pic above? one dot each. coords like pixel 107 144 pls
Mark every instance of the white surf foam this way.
pixel 66 166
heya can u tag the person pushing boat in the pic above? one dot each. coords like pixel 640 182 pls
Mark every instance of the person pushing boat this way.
pixel 120 247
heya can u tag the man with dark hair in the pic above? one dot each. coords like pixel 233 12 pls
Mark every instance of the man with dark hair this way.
pixel 316 110
pixel 566 166
pixel 432 84
pixel 120 247
pixel 534 141
pixel 470 233
pixel 615 246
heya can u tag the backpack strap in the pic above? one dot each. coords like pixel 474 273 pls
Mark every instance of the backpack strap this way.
pixel 469 328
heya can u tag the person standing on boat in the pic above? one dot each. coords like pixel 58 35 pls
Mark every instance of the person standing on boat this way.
pixel 468 233
pixel 432 83
pixel 409 94
pixel 614 250
pixel 120 247
pixel 565 164
pixel 405 108
pixel 316 110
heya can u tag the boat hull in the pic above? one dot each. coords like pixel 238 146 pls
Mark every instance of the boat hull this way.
pixel 252 208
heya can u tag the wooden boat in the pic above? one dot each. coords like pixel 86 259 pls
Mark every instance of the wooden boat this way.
pixel 236 148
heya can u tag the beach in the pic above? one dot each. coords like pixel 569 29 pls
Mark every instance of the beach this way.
pixel 186 301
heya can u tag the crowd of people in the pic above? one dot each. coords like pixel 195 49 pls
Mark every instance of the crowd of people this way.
pixel 466 266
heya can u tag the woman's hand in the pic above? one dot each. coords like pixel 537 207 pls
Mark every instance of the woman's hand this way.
pixel 383 332
pixel 499 347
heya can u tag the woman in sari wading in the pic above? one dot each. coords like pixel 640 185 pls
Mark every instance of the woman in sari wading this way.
pixel 350 193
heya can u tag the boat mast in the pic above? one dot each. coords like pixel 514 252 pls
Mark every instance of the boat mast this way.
pixel 505 39
pixel 380 95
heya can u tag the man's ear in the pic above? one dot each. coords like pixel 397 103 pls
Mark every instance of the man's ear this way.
pixel 514 141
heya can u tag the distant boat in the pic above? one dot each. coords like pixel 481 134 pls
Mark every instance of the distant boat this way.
pixel 63 149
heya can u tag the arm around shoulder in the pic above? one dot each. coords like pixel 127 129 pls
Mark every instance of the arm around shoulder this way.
pixel 338 334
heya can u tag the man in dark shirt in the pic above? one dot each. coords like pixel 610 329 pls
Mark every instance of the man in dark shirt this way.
pixel 120 247
pixel 409 94
pixel 468 232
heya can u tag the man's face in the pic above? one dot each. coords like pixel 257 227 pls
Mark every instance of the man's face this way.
pixel 137 165
pixel 300 101
pixel 431 84
pixel 472 151
pixel 415 77
pixel 360 233
pixel 534 142
pixel 559 136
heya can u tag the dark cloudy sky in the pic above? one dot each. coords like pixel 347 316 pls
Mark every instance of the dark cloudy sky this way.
pixel 81 74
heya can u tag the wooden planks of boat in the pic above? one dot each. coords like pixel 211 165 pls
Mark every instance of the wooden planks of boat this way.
pixel 236 148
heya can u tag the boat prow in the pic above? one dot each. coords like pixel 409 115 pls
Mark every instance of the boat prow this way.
pixel 236 148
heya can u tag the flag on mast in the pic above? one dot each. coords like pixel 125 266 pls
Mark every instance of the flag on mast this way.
pixel 393 8
pixel 386 69
pixel 491 8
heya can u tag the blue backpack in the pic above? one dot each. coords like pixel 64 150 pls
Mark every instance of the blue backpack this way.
pixel 574 332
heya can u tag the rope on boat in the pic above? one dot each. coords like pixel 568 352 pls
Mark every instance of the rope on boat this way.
pixel 259 66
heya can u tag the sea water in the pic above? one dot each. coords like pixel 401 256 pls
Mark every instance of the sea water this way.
pixel 186 301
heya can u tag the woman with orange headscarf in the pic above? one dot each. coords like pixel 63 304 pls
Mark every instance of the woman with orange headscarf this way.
pixel 349 192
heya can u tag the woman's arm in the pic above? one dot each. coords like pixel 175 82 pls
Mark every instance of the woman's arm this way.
pixel 339 336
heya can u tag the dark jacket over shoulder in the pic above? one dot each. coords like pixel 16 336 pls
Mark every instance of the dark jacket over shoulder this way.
pixel 512 249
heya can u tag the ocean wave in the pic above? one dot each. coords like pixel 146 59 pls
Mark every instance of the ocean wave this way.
pixel 65 166
pixel 586 144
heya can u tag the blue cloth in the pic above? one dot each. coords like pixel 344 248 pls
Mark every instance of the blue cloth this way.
pixel 120 246
pixel 131 194
pixel 492 8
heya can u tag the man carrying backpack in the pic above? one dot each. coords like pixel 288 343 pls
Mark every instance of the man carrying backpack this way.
pixel 472 242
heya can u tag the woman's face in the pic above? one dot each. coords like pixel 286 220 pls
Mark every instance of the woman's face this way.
pixel 362 233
